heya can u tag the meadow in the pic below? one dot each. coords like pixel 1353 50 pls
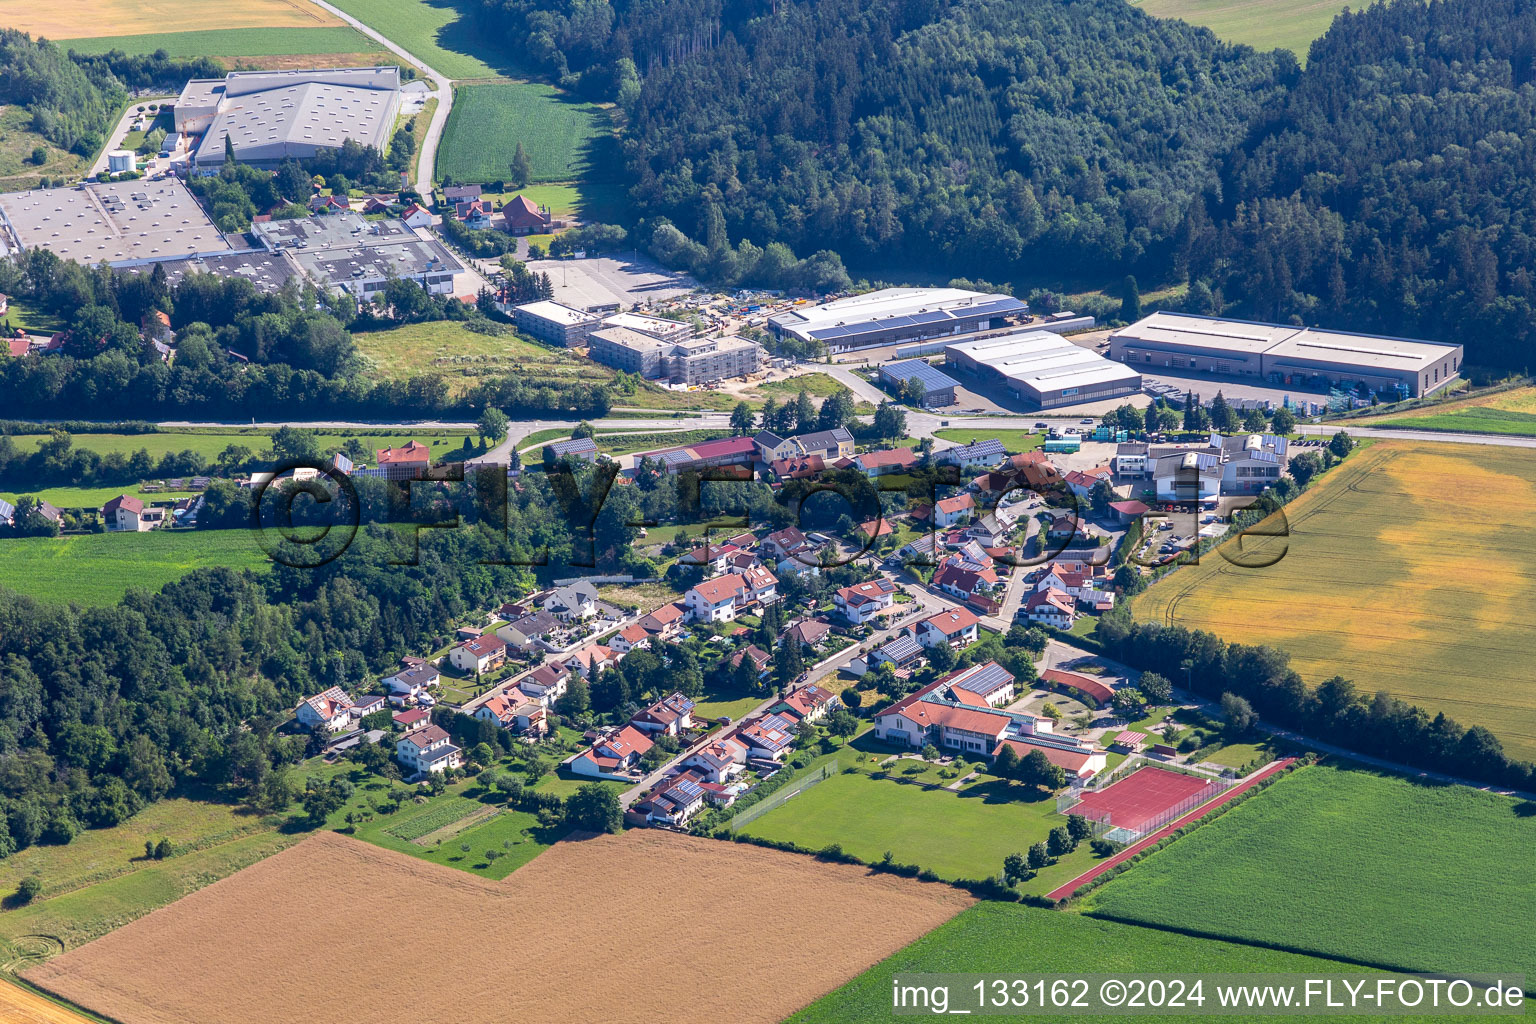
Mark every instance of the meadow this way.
pixel 602 201
pixel 586 907
pixel 210 443
pixel 1508 412
pixel 96 18
pixel 98 568
pixel 1262 24
pixel 1407 569
pixel 17 172
pixel 1013 441
pixel 817 385
pixel 1397 874
pixel 462 356
pixel 235 42
pixel 440 32
pixel 1010 939
pixel 955 835
pixel 488 121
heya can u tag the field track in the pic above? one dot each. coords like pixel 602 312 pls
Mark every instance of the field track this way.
pixel 1195 815
pixel 21 1006
pixel 610 918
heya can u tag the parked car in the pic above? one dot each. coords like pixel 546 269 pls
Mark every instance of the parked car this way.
pixel 1086 419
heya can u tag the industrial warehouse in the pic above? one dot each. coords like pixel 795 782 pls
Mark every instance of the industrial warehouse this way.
pixel 891 316
pixel 271 116
pixel 938 386
pixel 1288 356
pixel 348 252
pixel 1043 368
pixel 111 222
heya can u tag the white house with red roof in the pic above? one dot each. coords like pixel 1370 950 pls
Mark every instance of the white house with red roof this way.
pixel 769 737
pixel 612 756
pixel 629 638
pixel 863 601
pixel 953 510
pixel 713 559
pixel 785 543
pixel 415 718
pixel 665 622
pixel 1089 587
pixel 415 216
pixel 667 717
pixel 479 655
pixel 408 462
pixel 1081 482
pixel 676 799
pixel 329 709
pixel 515 712
pixel 897 460
pixel 956 627
pixel 127 514
pixel 428 750
pixel 1050 607
pixel 591 659
pixel 720 599
pixel 719 761
pixel 809 703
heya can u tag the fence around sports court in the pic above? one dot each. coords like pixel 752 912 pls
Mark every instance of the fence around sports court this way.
pixel 776 799
pixel 1103 822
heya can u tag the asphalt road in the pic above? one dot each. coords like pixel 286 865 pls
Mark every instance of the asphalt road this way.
pixel 426 161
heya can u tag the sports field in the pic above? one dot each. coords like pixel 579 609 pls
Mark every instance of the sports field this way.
pixel 235 42
pixel 954 835
pixel 488 121
pixel 1408 569
pixel 1349 863
pixel 98 568
pixel 93 18
pixel 1509 412
pixel 1146 796
pixel 603 931
pixel 1262 24
pixel 1011 939
pixel 440 32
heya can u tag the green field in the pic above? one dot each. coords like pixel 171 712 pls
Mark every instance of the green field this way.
pixel 1349 863
pixel 17 172
pixel 514 835
pixel 1407 569
pixel 1013 441
pixel 209 443
pixel 98 568
pixel 817 385
pixel 89 497
pixel 1009 939
pixel 1509 412
pixel 955 835
pixel 488 121
pixel 602 201
pixel 441 32
pixel 234 42
pixel 1262 24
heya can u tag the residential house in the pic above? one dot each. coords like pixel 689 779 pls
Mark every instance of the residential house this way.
pixel 474 213
pixel 618 753
pixel 874 529
pixel 1250 462
pixel 772 448
pixel 1090 586
pixel 591 659
pixel 809 703
pixel 669 716
pixel 428 749
pixel 521 216
pixel 797 467
pixel 1050 607
pixel 408 462
pixel 665 622
pixel 714 560
pixel 1081 482
pixel 877 464
pixel 513 711
pixel 990 530
pixel 863 601
pixel 719 761
pixel 965 579
pixel 953 510
pixel 329 709
pixel 629 638
pixel 1131 459
pixel 416 216
pixel 831 445
pixel 717 599
pixel 761 660
pixel 413 681
pixel 415 718
pixel 362 707
pixel 808 632
pixel 128 514
pixel 571 603
pixel 528 629
pixel 956 627
pixel 547 683
pixel 674 801
pixel 329 204
pixel 459 193
pixel 479 655
pixel 1188 476
pixel 769 737
pixel 901 652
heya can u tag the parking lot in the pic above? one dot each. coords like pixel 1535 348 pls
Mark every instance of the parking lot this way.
pixel 627 280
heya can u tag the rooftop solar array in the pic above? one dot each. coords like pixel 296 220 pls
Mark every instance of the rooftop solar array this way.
pixel 982 453
pixel 986 679
pixel 573 446
pixel 901 648
pixel 932 377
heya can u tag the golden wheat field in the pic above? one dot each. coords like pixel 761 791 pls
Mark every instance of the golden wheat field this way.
pixel 638 927
pixel 79 19
pixel 19 1006
pixel 1411 568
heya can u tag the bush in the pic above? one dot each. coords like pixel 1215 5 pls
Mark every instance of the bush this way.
pixel 29 889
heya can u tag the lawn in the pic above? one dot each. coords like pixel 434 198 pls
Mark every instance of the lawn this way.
pixel 955 835
pixel 235 42
pixel 462 356
pixel 441 32
pixel 1408 569
pixel 209 443
pixel 98 568
pixel 20 314
pixel 514 835
pixel 1009 939
pixel 488 121
pixel 589 200
pixel 88 497
pixel 562 783
pixel 1350 863
pixel 1262 24
pixel 17 172
pixel 1508 412
pixel 1013 441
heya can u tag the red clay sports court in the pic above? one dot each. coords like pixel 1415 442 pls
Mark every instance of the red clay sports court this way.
pixel 1146 797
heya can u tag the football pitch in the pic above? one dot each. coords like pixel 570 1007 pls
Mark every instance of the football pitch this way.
pixel 1350 863
pixel 1408 569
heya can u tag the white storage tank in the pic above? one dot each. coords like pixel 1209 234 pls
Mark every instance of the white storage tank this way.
pixel 120 160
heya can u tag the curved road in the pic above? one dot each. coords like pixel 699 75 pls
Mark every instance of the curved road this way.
pixel 426 165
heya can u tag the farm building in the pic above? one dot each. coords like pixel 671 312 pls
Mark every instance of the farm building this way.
pixel 1043 368
pixel 939 386
pixel 272 116
pixel 555 323
pixel 890 316
pixel 347 252
pixel 1285 355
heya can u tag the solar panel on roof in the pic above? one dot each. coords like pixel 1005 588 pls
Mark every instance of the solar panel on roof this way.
pixel 987 679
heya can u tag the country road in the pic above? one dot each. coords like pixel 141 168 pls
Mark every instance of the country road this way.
pixel 426 161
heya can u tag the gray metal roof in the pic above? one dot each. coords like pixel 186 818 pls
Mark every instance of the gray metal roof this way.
pixel 985 679
pixel 933 378
pixel 571 446
pixel 988 452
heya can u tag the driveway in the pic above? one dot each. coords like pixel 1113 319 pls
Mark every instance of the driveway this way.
pixel 116 138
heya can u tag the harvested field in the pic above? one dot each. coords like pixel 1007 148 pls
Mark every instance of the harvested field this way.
pixel 1408 569
pixel 19 1006
pixel 234 44
pixel 593 909
pixel 94 18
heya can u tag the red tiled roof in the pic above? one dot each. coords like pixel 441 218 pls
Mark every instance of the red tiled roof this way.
pixel 484 646
pixel 126 501
pixel 724 446
pixel 959 503
pixel 1092 687
pixel 415 451
pixel 894 457
pixel 1068 760
pixel 870 590
pixel 721 588
pixel 952 621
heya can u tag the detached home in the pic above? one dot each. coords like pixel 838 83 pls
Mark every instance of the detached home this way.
pixel 330 710
pixel 956 627
pixel 863 601
pixel 618 753
pixel 479 655
pixel 428 750
pixel 128 514
pixel 669 716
